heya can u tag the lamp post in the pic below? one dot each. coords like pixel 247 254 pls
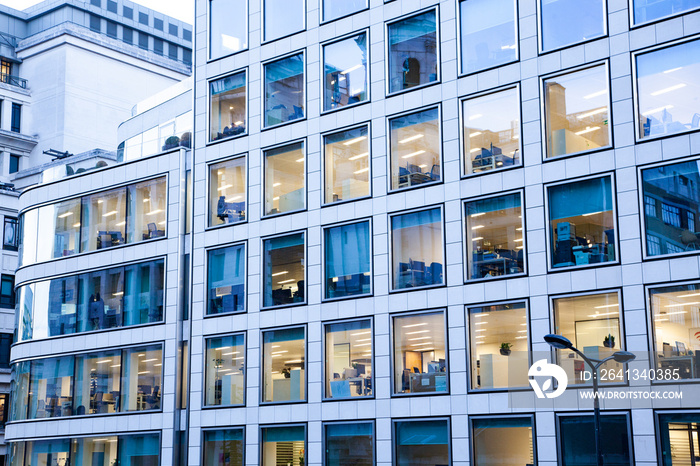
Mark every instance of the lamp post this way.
pixel 623 357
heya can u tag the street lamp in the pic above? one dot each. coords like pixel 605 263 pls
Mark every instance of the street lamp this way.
pixel 623 357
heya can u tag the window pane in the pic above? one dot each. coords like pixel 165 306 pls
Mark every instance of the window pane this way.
pixel 489 448
pixel 413 59
pixel 350 444
pixel 347 260
pixel 143 295
pixel 147 210
pixel 348 359
pixel 592 324
pixel 679 438
pixel 7 292
pixel 673 189
pixel 417 250
pixel 333 9
pixel 141 378
pixel 103 222
pixel 228 27
pixel 345 69
pixel 566 22
pixel 283 264
pixel 60 298
pixel 101 299
pixel 51 386
pixel 283 445
pixel 225 367
pixel 581 220
pixel 664 108
pixel 577 440
pixel 97 381
pixel 5 344
pixel 676 329
pixel 495 240
pixel 226 280
pixel 10 239
pixel 94 451
pixel 282 18
pixel 491 131
pixel 227 106
pixel 59 230
pixel 285 179
pixel 421 443
pixel 47 452
pixel 488 34
pixel 20 395
pixel 139 450
pixel 4 402
pixel 415 149
pixel 227 192
pixel 649 10
pixel 284 376
pixel 499 346
pixel 284 86
pixel 224 447
pixel 420 353
pixel 577 113
pixel 29 230
pixel 347 165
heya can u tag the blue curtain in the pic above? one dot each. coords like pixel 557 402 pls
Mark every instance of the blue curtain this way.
pixel 510 201
pixel 223 435
pixel 349 430
pixel 416 219
pixel 288 334
pixel 580 198
pixel 138 449
pixel 347 250
pixel 226 266
pixel 284 434
pixel 422 432
pixel 285 68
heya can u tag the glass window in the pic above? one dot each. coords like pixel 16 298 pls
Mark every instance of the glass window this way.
pixel 422 443
pixel 187 35
pixel 147 210
pixel 420 353
pixel 679 438
pixel 499 346
pixel 63 220
pixel 227 192
pixel 143 293
pixel 224 447
pixel 650 10
pixel 93 451
pixel 284 86
pixel 577 440
pixel 19 396
pixel 592 324
pixel 577 114
pixel 227 106
pixel 333 9
pixel 157 45
pixel 676 314
pixel 417 249
pixel 16 118
pixel 103 222
pixel 54 307
pixel 29 231
pixel 581 221
pixel 415 148
pixel 491 450
pixel 349 444
pixel 347 162
pixel 284 270
pixel 101 299
pixel 5 344
pixel 566 22
pixel 141 378
pixel 413 55
pixel 491 131
pixel 4 404
pixel 676 188
pixel 14 163
pixel 128 35
pixel 97 382
pixel 139 450
pixel 143 41
pixel 282 18
pixel 10 240
pixel 348 359
pixel 345 68
pixel 51 384
pixel 112 29
pixel 347 260
pixel 284 445
pixel 46 452
pixel 284 375
pixel 285 179
pixel 95 23
pixel 7 292
pixel 112 6
pixel 495 239
pixel 665 81
pixel 143 18
pixel 226 280
pixel 173 30
pixel 225 369
pixel 489 34
pixel 158 24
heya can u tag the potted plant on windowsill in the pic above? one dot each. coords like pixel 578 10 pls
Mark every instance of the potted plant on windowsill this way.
pixel 609 341
pixel 506 349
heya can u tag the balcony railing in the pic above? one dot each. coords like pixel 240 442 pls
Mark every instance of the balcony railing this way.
pixel 13 80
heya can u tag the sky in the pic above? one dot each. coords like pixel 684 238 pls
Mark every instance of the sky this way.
pixel 179 9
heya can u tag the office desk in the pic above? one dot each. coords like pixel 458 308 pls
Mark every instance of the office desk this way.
pixel 360 382
pixel 430 382
pixel 496 267
pixel 684 364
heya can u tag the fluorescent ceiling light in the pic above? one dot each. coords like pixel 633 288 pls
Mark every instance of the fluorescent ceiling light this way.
pixel 668 89
pixel 354 141
pixel 412 138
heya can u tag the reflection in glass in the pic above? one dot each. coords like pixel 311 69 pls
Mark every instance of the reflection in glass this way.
pixel 66 228
pixel 347 163
pixel 225 369
pixel 592 324
pixel 489 33
pixel 415 148
pixel 413 58
pixel 349 444
pixel 29 232
pixel 284 375
pixel 228 27
pixel 348 359
pixel 499 346
pixel 19 396
pixel 667 81
pixel 139 450
pixel 100 299
pixel 489 449
pixel 285 177
pixel 679 438
pixel 282 18
pixel 333 9
pixel 147 210
pixel 97 383
pixel 566 22
pixel 417 249
pixel 650 10
pixel 582 226
pixel 94 451
pixel 495 240
pixel 283 270
pixel 284 86
pixel 283 445
pixel 422 443
pixel 46 453
pixel 51 384
pixel 103 222
pixel 420 353
pixel 227 106
pixel 577 440
pixel 223 447
pixel 226 280
pixel 142 378
pixel 347 260
pixel 59 297
pixel 345 69
pixel 577 114
pixel 227 192
pixel 143 293
pixel 491 131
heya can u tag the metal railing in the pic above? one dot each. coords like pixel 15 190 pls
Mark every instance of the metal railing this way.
pixel 13 80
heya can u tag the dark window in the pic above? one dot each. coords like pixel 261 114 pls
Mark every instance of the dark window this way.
pixel 172 51
pixel 16 117
pixel 14 163
pixel 5 343
pixel 4 404
pixel 95 23
pixel 143 18
pixel 158 24
pixel 112 29
pixel 187 56
pixel 187 35
pixel 111 6
pixel 578 444
pixel 96 3
pixel 128 12
pixel 128 36
pixel 158 46
pixel 143 40
pixel 7 291
pixel 173 29
pixel 10 234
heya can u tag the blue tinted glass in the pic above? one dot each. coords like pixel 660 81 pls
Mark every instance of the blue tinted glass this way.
pixel 345 72
pixel 282 18
pixel 488 34
pixel 347 256
pixel 649 10
pixel 284 90
pixel 226 281
pixel 336 8
pixel 413 59
pixel 566 22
